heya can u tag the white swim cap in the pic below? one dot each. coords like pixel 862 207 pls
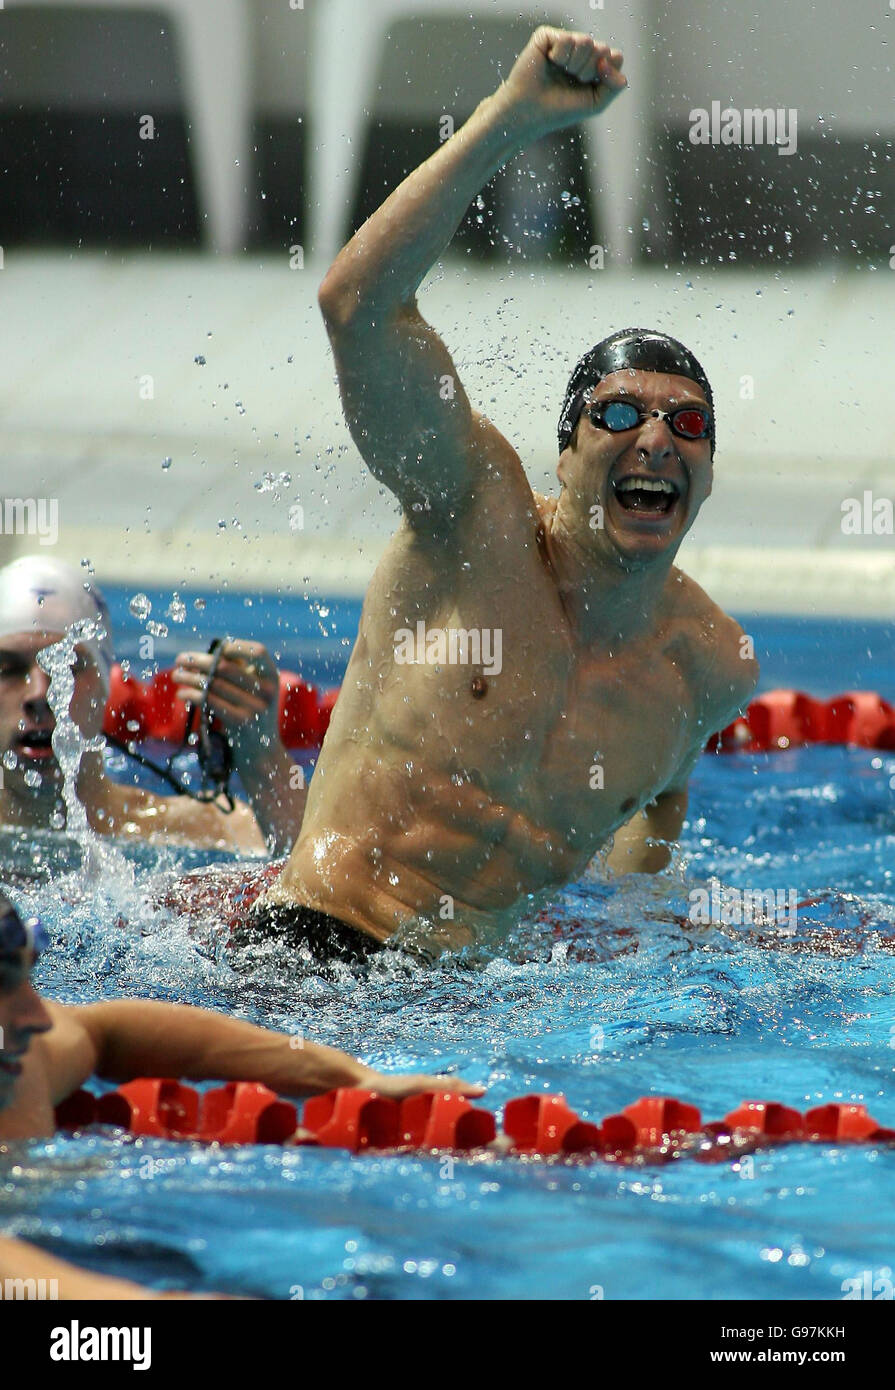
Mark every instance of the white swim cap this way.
pixel 39 594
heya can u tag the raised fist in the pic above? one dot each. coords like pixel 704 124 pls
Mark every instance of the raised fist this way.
pixel 561 77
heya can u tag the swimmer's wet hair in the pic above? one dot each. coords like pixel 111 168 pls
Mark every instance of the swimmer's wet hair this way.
pixel 637 349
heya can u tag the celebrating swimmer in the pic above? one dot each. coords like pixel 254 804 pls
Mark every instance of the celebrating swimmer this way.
pixel 40 600
pixel 48 1050
pixel 451 795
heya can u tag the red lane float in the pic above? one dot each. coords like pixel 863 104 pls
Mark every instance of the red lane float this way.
pixel 152 711
pixel 776 719
pixel 243 1112
pixel 790 719
pixel 650 1123
pixel 845 1122
pixel 442 1120
pixel 164 1109
pixel 544 1124
pixel 538 1126
pixel 352 1119
pixel 762 1117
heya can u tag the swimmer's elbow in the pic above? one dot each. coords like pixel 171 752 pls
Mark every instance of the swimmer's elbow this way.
pixel 335 303
pixel 345 303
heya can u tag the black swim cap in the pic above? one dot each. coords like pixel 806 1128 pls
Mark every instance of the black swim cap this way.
pixel 640 349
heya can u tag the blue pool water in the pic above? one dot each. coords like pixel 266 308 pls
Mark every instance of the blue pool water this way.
pixel 613 998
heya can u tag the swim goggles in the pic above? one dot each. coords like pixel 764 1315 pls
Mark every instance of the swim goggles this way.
pixel 17 935
pixel 212 749
pixel 688 421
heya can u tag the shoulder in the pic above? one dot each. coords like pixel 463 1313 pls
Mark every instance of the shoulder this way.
pixel 721 654
pixel 66 1055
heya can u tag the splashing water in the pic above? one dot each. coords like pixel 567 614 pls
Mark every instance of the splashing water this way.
pixel 101 863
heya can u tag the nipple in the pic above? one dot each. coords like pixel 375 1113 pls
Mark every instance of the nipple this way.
pixel 479 687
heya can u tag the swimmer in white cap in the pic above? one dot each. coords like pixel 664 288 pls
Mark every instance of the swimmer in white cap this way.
pixel 42 599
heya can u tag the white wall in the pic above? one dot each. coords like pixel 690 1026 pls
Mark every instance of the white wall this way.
pixel 817 55
pixel 820 56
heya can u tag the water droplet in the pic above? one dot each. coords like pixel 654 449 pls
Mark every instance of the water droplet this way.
pixel 140 606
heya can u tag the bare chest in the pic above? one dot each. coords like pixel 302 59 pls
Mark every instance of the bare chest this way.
pixel 563 737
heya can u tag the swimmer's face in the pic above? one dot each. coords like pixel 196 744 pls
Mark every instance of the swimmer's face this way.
pixel 26 720
pixel 22 1016
pixel 599 467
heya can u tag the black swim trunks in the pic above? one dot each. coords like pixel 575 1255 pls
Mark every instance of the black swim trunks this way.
pixel 294 925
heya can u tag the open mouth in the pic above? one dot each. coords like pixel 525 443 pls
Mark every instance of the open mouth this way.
pixel 35 743
pixel 653 496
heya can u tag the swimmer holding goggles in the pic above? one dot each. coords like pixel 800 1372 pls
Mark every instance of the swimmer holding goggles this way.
pixel 232 694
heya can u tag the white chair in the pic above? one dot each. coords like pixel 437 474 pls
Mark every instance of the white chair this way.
pixel 215 57
pixel 347 43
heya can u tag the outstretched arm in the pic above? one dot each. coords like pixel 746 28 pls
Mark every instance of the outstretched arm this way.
pixel 405 406
pixel 126 1038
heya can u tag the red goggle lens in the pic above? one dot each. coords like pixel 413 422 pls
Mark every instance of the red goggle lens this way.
pixel 692 424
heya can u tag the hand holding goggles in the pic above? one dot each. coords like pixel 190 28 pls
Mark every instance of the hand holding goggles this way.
pixel 688 421
pixel 212 749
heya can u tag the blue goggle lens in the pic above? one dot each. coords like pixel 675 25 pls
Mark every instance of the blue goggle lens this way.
pixel 620 415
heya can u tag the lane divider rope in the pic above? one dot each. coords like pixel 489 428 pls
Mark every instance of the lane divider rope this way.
pixel 540 1125
pixel 775 720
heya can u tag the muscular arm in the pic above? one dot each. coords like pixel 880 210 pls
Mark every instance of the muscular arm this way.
pixel 126 1038
pixel 404 403
pixel 405 406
